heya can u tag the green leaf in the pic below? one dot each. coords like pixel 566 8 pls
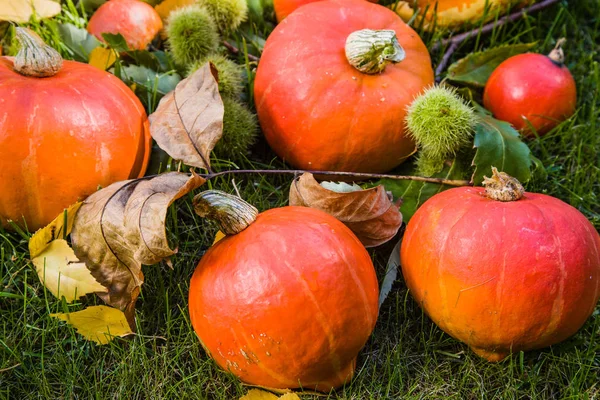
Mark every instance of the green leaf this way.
pixel 150 79
pixel 78 41
pixel 499 145
pixel 414 193
pixel 476 68
pixel 116 42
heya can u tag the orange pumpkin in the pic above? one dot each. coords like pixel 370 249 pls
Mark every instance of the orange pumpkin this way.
pixel 288 302
pixel 283 8
pixel 502 276
pixel 62 136
pixel 333 84
pixel 135 20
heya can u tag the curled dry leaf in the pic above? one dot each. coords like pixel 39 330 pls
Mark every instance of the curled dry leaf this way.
pixel 189 120
pixel 55 262
pixel 121 227
pixel 21 11
pixel 100 324
pixel 369 213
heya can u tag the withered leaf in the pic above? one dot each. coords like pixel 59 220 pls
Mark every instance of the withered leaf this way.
pixel 21 11
pixel 257 394
pixel 100 324
pixel 189 120
pixel 121 227
pixel 54 230
pixel 369 213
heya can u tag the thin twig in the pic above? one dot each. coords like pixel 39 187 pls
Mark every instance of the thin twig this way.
pixel 357 175
pixel 455 41
pixel 9 368
pixel 235 51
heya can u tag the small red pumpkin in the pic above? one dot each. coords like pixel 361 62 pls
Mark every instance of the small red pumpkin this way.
pixel 283 8
pixel 137 21
pixel 63 135
pixel 532 89
pixel 502 276
pixel 287 302
pixel 333 84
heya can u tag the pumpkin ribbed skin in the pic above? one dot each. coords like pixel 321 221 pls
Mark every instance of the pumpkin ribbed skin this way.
pixel 137 21
pixel 283 8
pixel 502 277
pixel 317 111
pixel 63 136
pixel 534 87
pixel 288 302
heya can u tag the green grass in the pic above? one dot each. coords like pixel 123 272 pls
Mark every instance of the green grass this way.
pixel 407 356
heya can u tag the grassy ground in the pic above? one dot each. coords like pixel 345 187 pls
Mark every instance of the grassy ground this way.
pixel 407 357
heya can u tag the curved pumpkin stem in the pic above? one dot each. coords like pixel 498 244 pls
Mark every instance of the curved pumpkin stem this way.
pixel 502 187
pixel 557 54
pixel 231 212
pixel 371 51
pixel 36 58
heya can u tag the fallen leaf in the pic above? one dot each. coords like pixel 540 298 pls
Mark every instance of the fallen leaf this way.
pixel 476 68
pixel 391 273
pixel 102 58
pixel 63 274
pixel 121 227
pixel 498 144
pixel 100 324
pixel 21 11
pixel 165 8
pixel 79 42
pixel 152 81
pixel 219 235
pixel 189 120
pixel 54 230
pixel 369 213
pixel 256 394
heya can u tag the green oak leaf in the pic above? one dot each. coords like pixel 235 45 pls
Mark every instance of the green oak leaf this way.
pixel 476 68
pixel 150 79
pixel 499 145
pixel 414 193
pixel 78 41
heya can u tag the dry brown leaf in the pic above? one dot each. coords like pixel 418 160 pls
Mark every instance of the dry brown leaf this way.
pixel 20 11
pixel 166 7
pixel 121 227
pixel 369 213
pixel 100 324
pixel 189 120
pixel 63 274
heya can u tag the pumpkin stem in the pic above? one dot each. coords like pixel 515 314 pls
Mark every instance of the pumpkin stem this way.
pixel 36 58
pixel 502 187
pixel 371 51
pixel 557 54
pixel 231 212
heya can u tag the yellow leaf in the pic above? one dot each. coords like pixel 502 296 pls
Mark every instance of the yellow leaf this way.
pixel 54 230
pixel 102 58
pixel 62 273
pixel 22 10
pixel 256 394
pixel 100 324
pixel 220 235
pixel 166 7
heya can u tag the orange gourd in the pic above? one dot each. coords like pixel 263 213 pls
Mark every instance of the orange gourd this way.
pixel 500 269
pixel 136 21
pixel 66 128
pixel 288 301
pixel 283 8
pixel 333 84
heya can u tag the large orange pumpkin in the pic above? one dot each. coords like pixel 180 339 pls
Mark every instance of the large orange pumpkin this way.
pixel 62 136
pixel 288 302
pixel 135 20
pixel 283 8
pixel 502 276
pixel 332 86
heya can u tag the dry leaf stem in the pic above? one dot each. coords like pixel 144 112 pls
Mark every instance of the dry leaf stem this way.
pixel 235 51
pixel 455 41
pixel 358 175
